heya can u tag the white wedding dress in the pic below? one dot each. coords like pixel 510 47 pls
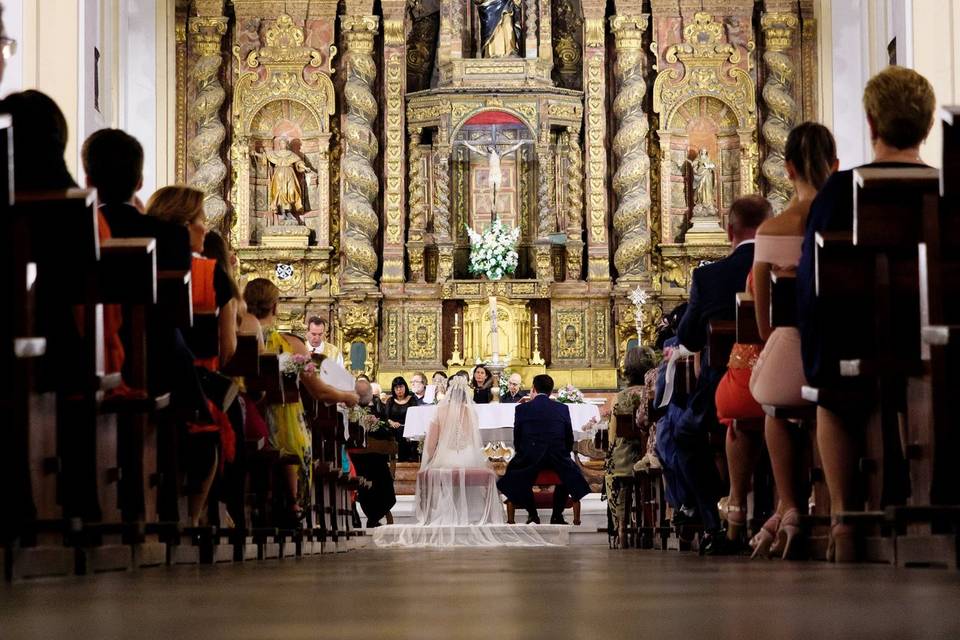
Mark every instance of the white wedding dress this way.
pixel 456 493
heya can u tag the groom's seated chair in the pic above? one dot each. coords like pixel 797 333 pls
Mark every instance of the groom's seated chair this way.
pixel 543 496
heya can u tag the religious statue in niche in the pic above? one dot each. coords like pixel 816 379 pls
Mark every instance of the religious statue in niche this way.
pixel 704 184
pixel 285 195
pixel 500 34
pixel 493 166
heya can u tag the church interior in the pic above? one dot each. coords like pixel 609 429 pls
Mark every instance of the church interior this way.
pixel 258 252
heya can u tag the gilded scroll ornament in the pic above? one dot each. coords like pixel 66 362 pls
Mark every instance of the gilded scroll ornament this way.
pixel 631 181
pixel 778 31
pixel 204 149
pixel 360 183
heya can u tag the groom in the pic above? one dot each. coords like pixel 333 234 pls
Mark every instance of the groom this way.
pixel 543 437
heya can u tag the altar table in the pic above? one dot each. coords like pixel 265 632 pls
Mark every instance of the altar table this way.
pixel 496 421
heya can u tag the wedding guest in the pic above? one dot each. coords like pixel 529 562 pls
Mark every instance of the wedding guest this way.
pixel 811 158
pixel 212 287
pixel 379 498
pixel 288 430
pixel 395 414
pixel 630 409
pixel 899 105
pixel 713 291
pixel 418 386
pixel 439 386
pixel 482 381
pixel 215 248
pixel 514 392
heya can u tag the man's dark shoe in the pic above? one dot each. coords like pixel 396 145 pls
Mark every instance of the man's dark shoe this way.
pixel 557 519
pixel 533 518
pixel 716 544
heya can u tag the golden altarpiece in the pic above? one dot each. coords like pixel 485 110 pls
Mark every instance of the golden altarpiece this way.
pixel 345 148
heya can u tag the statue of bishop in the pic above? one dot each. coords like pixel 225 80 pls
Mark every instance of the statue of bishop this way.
pixel 285 194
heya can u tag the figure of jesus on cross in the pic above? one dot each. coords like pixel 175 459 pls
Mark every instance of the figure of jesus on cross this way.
pixel 493 164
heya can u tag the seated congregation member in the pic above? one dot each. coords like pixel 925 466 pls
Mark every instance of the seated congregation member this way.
pixel 216 249
pixel 900 105
pixel 630 407
pixel 395 414
pixel 543 437
pixel 811 157
pixel 212 291
pixel 439 385
pixel 418 386
pixel 713 291
pixel 379 498
pixel 679 496
pixel 481 385
pixel 743 446
pixel 288 430
pixel 212 288
pixel 514 392
pixel 40 166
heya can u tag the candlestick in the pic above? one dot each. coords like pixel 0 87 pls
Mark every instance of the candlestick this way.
pixel 536 358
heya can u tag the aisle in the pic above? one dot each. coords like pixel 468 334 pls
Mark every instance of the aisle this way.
pixel 576 591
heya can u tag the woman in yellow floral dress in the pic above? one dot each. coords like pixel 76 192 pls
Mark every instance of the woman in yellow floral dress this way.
pixel 288 429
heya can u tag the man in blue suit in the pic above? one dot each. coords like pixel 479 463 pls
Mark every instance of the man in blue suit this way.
pixel 543 437
pixel 713 296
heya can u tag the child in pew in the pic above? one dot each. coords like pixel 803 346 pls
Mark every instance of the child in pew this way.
pixel 40 166
pixel 777 377
pixel 900 106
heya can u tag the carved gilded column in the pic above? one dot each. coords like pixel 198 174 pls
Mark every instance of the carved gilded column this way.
pixel 594 89
pixel 209 171
pixel 416 204
pixel 778 31
pixel 394 64
pixel 546 221
pixel 530 28
pixel 631 181
pixel 545 46
pixel 441 212
pixel 574 204
pixel 359 181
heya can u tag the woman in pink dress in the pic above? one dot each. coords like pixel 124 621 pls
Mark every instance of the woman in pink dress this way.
pixel 778 373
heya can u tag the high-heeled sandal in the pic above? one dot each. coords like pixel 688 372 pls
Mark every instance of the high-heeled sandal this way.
pixel 788 532
pixel 736 522
pixel 842 546
pixel 764 539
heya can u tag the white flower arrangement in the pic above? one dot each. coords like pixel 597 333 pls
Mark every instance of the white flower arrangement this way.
pixel 570 395
pixel 493 253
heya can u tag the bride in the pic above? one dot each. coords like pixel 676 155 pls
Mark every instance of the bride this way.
pixel 456 492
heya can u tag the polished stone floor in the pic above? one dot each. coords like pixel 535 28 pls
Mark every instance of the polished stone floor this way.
pixel 573 592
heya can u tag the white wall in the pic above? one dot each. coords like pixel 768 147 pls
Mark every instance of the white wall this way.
pixel 134 37
pixel 854 39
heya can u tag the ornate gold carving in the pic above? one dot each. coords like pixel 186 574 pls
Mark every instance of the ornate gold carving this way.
pixel 600 320
pixel 421 331
pixel 594 32
pixel 444 262
pixel 569 335
pixel 284 45
pixel 542 254
pixel 393 154
pixel 633 173
pixel 596 159
pixel 393 335
pixel 710 68
pixel 360 182
pixel 204 149
pixel 358 323
pixel 567 50
pixel 778 29
pixel 441 194
pixel 415 188
pixel 574 185
pixel 546 222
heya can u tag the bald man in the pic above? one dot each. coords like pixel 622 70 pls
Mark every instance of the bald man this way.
pixel 514 393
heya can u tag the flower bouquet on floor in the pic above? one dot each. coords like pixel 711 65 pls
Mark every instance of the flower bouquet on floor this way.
pixel 493 253
pixel 570 395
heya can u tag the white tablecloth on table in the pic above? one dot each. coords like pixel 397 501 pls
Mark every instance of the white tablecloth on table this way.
pixel 496 421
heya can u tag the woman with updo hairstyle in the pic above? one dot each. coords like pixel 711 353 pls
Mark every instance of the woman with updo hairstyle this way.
pixel 288 429
pixel 211 286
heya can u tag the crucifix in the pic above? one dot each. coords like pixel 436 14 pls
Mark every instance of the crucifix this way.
pixel 493 163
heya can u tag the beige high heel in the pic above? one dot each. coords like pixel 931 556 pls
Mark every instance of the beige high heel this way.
pixel 842 547
pixel 764 539
pixel 788 532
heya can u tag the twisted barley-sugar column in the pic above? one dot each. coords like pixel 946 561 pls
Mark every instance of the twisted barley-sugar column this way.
pixel 204 150
pixel 574 228
pixel 415 199
pixel 441 194
pixel 360 183
pixel 631 182
pixel 546 222
pixel 778 30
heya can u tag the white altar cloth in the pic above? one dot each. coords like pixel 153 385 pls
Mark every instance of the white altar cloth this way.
pixel 496 421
